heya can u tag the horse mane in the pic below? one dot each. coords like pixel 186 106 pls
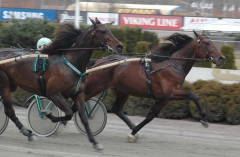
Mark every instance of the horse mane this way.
pixel 64 38
pixel 91 63
pixel 175 42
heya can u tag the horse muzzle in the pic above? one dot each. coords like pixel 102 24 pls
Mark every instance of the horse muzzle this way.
pixel 116 50
pixel 119 48
pixel 219 61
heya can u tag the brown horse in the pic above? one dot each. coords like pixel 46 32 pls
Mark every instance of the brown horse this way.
pixel 65 72
pixel 170 64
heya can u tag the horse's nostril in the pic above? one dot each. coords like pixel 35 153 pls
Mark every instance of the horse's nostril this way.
pixel 120 47
pixel 222 59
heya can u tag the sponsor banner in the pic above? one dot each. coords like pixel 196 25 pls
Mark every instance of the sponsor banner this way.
pixel 103 17
pixel 69 16
pixel 151 21
pixel 191 20
pixel 21 14
pixel 135 11
pixel 224 76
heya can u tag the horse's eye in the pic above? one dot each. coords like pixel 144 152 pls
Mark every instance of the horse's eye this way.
pixel 207 43
pixel 103 32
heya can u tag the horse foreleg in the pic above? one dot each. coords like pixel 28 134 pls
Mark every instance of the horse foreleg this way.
pixel 157 107
pixel 118 105
pixel 79 102
pixel 180 95
pixel 9 111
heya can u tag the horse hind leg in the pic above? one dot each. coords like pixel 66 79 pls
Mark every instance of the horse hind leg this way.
pixel 157 107
pixel 117 108
pixel 9 111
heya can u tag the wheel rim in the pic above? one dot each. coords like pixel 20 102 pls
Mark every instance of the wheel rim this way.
pixel 42 126
pixel 96 122
pixel 3 119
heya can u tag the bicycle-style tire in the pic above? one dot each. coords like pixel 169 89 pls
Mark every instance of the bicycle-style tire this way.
pixel 43 127
pixel 3 119
pixel 97 121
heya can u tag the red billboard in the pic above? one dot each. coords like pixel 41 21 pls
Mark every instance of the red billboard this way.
pixel 151 21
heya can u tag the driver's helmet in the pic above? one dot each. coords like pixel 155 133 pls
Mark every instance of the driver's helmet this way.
pixel 43 41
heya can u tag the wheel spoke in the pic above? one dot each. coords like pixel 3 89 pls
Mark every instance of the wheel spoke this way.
pixel 42 126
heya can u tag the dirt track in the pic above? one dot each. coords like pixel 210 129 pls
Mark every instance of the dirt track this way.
pixel 165 138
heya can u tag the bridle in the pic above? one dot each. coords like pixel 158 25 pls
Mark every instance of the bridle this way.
pixel 107 47
pixel 209 58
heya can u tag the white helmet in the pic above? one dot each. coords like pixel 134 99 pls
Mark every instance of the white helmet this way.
pixel 43 41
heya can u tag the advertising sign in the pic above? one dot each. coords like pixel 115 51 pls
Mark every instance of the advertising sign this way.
pixel 191 20
pixel 151 21
pixel 69 16
pixel 21 14
pixel 136 11
pixel 103 17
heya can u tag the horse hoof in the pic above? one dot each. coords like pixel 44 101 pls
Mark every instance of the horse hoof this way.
pixel 46 112
pixel 131 138
pixel 204 124
pixel 98 147
pixel 137 136
pixel 32 138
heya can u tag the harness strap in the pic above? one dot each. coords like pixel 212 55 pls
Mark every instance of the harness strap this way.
pixel 42 84
pixel 40 67
pixel 147 67
pixel 76 70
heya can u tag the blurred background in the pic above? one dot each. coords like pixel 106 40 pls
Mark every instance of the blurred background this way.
pixel 159 16
pixel 207 8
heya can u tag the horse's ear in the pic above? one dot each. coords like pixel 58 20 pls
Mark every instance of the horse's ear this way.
pixel 196 34
pixel 93 22
pixel 203 32
pixel 97 21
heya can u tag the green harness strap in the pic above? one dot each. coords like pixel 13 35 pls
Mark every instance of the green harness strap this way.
pixel 35 65
pixel 76 70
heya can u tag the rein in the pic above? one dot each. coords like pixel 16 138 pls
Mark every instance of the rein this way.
pixel 159 56
pixel 75 49
pixel 196 59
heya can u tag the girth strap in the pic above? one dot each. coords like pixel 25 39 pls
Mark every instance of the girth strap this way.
pixel 76 70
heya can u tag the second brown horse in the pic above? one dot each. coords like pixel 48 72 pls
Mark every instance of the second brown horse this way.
pixel 170 65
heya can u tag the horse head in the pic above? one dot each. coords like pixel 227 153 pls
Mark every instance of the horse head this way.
pixel 102 36
pixel 206 49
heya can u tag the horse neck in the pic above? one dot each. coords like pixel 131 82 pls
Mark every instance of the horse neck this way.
pixel 80 58
pixel 189 52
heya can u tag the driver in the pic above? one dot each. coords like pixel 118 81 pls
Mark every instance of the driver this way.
pixel 43 42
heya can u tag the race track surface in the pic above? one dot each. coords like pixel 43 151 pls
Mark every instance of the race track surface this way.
pixel 160 138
